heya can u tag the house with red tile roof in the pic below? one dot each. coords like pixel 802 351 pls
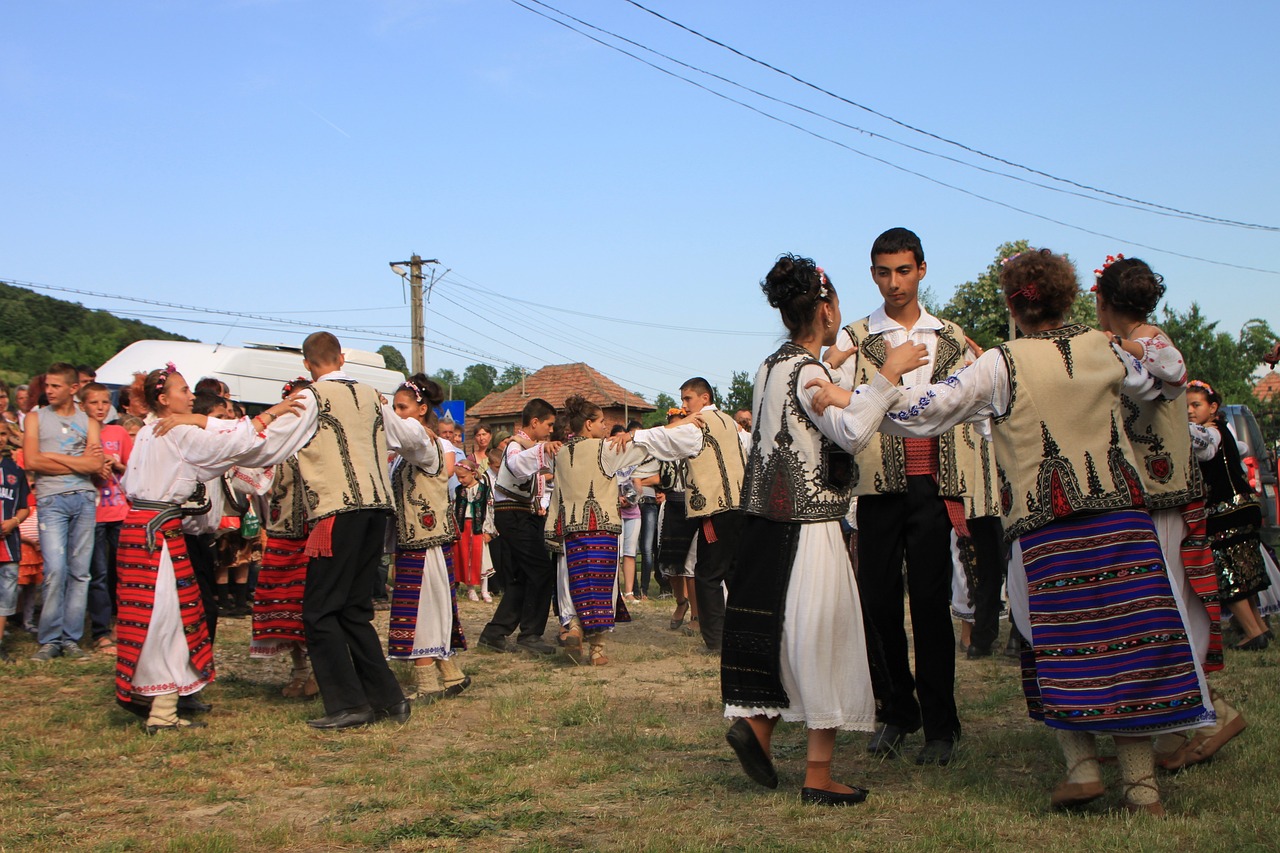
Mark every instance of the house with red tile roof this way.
pixel 1268 388
pixel 554 383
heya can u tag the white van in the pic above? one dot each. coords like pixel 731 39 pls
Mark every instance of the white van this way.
pixel 255 373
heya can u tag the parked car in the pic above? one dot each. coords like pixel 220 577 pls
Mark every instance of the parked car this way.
pixel 1260 463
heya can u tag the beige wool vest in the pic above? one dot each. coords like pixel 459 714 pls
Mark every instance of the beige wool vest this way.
pixel 1061 448
pixel 286 510
pixel 715 475
pixel 794 472
pixel 585 497
pixel 1157 429
pixel 423 519
pixel 344 465
pixel 880 468
pixel 981 500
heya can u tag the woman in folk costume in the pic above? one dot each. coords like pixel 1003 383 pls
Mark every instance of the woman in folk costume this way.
pixel 794 645
pixel 1235 520
pixel 583 522
pixel 1087 580
pixel 424 611
pixel 163 647
pixel 1168 455
pixel 277 600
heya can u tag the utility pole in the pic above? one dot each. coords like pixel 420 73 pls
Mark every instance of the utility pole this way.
pixel 414 274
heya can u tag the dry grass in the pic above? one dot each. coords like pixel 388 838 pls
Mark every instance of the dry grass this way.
pixel 547 755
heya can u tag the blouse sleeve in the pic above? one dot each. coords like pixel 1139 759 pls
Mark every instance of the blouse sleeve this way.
pixel 853 426
pixel 1163 361
pixel 669 444
pixel 971 394
pixel 1205 441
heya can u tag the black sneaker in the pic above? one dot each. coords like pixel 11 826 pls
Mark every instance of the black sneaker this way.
pixel 537 645
pixel 496 644
pixel 47 652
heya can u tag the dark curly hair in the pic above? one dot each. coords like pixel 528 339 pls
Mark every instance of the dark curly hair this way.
pixel 1131 287
pixel 1040 285
pixel 578 410
pixel 795 287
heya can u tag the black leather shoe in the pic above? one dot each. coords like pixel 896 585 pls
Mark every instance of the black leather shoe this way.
pixel 192 705
pixel 138 709
pixel 821 797
pixel 177 727
pixel 755 761
pixel 537 645
pixel 454 689
pixel 976 652
pixel 887 741
pixel 495 644
pixel 344 720
pixel 936 752
pixel 397 713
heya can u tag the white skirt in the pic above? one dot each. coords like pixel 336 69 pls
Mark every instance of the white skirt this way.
pixel 1171 529
pixel 164 662
pixel 824 649
pixel 1269 598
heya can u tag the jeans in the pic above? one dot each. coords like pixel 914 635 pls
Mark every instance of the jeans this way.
pixel 8 589
pixel 648 542
pixel 66 523
pixel 102 577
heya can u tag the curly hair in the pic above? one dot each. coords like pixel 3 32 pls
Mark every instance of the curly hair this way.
pixel 1039 285
pixel 578 410
pixel 1131 287
pixel 796 286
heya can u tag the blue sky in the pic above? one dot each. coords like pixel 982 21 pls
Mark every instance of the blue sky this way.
pixel 272 157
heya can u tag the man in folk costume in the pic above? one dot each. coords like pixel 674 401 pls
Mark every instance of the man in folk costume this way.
pixel 527 600
pixel 341 437
pixel 908 494
pixel 713 499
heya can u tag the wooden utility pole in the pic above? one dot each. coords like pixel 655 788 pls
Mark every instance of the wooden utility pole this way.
pixel 415 311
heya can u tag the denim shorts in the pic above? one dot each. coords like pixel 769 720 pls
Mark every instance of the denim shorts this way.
pixel 8 589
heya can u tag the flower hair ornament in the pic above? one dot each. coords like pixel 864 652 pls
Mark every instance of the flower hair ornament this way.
pixel 1202 385
pixel 823 281
pixel 412 388
pixel 163 378
pixel 1005 261
pixel 1029 291
pixel 676 411
pixel 291 386
pixel 1111 259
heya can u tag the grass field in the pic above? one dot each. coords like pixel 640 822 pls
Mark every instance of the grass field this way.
pixel 545 755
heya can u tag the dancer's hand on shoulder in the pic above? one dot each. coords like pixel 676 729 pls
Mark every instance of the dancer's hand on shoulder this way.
pixel 167 423
pixel 828 394
pixel 903 358
pixel 834 356
pixel 619 442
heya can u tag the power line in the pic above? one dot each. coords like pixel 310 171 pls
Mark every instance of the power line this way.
pixel 891 164
pixel 875 135
pixel 941 138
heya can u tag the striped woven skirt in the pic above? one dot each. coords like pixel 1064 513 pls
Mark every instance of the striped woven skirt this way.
pixel 1110 651
pixel 277 600
pixel 424 609
pixel 591 572
pixel 162 640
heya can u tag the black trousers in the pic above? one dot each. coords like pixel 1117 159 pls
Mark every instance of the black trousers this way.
pixel 337 611
pixel 715 567
pixel 526 602
pixel 204 562
pixel 990 567
pixel 914 525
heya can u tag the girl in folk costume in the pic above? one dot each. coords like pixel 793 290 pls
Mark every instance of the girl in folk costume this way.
pixel 424 612
pixel 1127 292
pixel 583 522
pixel 1235 520
pixel 1087 581
pixel 163 647
pixel 794 645
pixel 277 600
pixel 473 514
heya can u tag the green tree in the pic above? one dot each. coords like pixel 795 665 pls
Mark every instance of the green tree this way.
pixel 483 375
pixel 1225 362
pixel 658 417
pixel 394 358
pixel 741 389
pixel 511 376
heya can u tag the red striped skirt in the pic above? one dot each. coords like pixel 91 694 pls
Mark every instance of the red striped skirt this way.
pixel 277 601
pixel 136 590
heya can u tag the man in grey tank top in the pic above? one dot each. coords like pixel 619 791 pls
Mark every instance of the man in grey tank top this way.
pixel 61 446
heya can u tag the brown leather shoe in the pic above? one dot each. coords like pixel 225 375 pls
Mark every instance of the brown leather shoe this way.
pixel 1072 794
pixel 1153 809
pixel 1208 747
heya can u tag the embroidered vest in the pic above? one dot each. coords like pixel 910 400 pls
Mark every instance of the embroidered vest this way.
pixel 460 506
pixel 1157 429
pixel 585 498
pixel 794 472
pixel 286 512
pixel 423 519
pixel 981 500
pixel 1060 449
pixel 715 474
pixel 508 486
pixel 344 464
pixel 881 467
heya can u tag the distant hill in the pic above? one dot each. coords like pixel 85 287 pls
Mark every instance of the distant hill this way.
pixel 37 330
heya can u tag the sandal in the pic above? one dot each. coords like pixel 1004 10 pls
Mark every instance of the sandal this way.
pixel 677 618
pixel 106 645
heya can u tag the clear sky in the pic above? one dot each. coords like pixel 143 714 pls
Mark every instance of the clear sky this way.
pixel 273 157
